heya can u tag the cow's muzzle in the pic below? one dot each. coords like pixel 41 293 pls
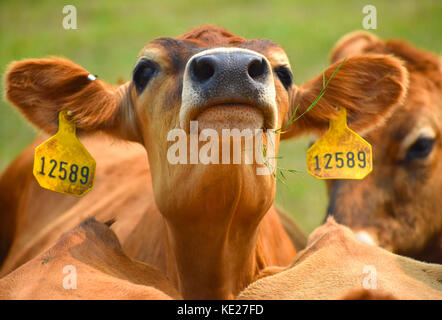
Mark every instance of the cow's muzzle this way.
pixel 230 79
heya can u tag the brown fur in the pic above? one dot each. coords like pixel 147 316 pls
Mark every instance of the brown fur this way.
pixel 297 236
pixel 332 265
pixel 364 294
pixel 210 229
pixel 12 197
pixel 399 203
pixel 103 271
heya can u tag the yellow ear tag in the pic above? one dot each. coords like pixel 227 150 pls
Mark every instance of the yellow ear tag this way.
pixel 62 163
pixel 340 153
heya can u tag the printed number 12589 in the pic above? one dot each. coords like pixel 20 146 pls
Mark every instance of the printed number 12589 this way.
pixel 341 160
pixel 63 170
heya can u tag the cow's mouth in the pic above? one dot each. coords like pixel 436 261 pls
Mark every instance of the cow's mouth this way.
pixel 230 116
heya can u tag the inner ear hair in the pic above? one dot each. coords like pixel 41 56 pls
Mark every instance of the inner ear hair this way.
pixel 41 88
pixel 369 86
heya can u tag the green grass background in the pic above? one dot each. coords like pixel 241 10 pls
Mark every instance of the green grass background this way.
pixel 110 34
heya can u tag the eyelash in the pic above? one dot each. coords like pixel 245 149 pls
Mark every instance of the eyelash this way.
pixel 144 71
pixel 285 76
pixel 420 149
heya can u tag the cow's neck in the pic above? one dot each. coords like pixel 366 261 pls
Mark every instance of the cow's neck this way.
pixel 213 251
pixel 213 265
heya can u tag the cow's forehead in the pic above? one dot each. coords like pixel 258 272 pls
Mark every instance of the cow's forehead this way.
pixel 177 51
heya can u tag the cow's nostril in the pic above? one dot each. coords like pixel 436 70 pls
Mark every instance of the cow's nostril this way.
pixel 203 68
pixel 257 67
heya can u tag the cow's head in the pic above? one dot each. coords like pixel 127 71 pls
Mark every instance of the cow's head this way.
pixel 398 205
pixel 220 80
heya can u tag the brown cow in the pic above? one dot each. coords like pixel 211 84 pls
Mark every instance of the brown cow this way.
pixel 210 228
pixel 335 265
pixel 398 206
pixel 86 263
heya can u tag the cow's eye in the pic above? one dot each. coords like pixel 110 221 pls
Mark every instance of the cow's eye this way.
pixel 420 149
pixel 143 73
pixel 285 76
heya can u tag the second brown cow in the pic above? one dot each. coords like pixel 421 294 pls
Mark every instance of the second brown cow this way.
pixel 399 205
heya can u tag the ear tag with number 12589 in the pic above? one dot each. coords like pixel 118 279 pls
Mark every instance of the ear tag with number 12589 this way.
pixel 340 153
pixel 62 163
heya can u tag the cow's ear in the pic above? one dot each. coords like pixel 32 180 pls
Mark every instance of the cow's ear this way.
pixel 355 43
pixel 368 86
pixel 41 88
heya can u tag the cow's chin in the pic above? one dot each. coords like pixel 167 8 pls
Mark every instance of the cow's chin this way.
pixel 216 190
pixel 230 116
